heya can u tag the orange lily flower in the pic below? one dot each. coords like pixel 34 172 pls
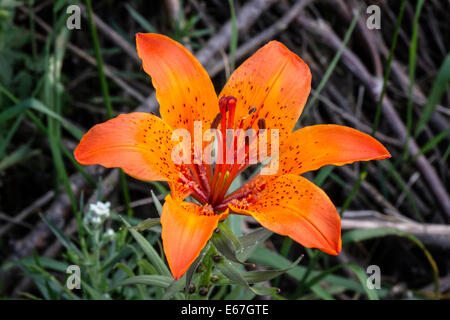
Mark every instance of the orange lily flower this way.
pixel 268 91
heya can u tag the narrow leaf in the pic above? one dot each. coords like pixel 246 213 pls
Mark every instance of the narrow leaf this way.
pixel 151 253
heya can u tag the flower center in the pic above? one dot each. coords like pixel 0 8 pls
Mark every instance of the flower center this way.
pixel 234 154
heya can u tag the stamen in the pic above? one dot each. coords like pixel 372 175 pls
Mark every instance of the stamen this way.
pixel 216 121
pixel 223 104
pixel 262 123
pixel 227 107
pixel 252 110
pixel 231 109
pixel 203 178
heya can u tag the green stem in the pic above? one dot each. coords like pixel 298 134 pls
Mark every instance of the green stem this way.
pixel 234 36
pixel 205 278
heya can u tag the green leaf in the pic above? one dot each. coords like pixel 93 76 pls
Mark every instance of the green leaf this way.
pixel 149 280
pixel 234 35
pixel 65 241
pixel 95 295
pixel 362 276
pixel 260 276
pixel 269 258
pixel 12 112
pixel 431 144
pixel 157 203
pixel 250 241
pixel 322 275
pixel 230 271
pixel 255 237
pixel 20 154
pixel 224 244
pixel 147 224
pixel 323 174
pixel 151 253
pixel 175 287
pixel 439 86
pixel 118 256
pixel 130 273
pixel 147 267
pixel 226 231
pixel 140 19
pixel 11 131
pixel 39 106
pixel 46 263
pixel 125 268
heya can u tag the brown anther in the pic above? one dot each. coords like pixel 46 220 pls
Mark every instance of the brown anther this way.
pixel 252 110
pixel 223 104
pixel 216 121
pixel 262 123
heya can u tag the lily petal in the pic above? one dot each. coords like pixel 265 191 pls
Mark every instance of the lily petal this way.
pixel 276 82
pixel 183 88
pixel 313 147
pixel 293 206
pixel 186 228
pixel 139 143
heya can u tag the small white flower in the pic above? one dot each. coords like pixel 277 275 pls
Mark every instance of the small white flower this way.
pixel 100 208
pixel 97 213
pixel 110 233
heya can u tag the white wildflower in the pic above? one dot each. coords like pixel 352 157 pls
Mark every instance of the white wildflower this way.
pixel 97 213
pixel 100 208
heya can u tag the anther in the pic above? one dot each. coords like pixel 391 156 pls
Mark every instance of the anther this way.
pixel 216 121
pixel 262 123
pixel 223 104
pixel 231 102
pixel 252 110
pixel 247 141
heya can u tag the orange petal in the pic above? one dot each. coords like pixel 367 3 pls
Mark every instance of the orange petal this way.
pixel 183 88
pixel 313 147
pixel 186 228
pixel 276 82
pixel 293 206
pixel 139 143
